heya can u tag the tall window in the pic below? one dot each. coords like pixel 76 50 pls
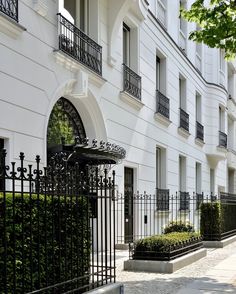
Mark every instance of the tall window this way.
pixel 221 119
pixel 161 11
pixel 198 178
pixel 160 168
pixel 182 173
pixel 126 45
pixel 222 67
pixel 158 73
pixel 182 28
pixel 182 93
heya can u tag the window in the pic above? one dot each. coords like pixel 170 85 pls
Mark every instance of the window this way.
pixel 184 196
pixel 1 148
pixel 158 73
pixel 182 29
pixel 198 60
pixel 222 67
pixel 221 119
pixel 199 126
pixel 161 11
pixel 162 193
pixel 198 184
pixel 126 45
pixel 184 117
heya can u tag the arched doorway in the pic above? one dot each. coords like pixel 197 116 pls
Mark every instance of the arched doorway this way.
pixel 64 125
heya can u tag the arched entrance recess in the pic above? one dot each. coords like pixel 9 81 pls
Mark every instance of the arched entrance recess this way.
pixel 65 124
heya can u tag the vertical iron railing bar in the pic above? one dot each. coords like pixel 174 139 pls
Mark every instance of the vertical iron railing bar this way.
pixel 45 224
pixel 88 246
pixel 13 173
pixel 30 176
pixel 102 237
pixel 114 227
pixel 65 192
pixel 21 176
pixel 37 180
pixel 105 208
pixel 93 215
pixel 110 226
pixel 97 230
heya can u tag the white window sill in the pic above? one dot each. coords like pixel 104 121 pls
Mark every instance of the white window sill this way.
pixel 131 100
pixel 183 132
pixel 10 27
pixel 162 119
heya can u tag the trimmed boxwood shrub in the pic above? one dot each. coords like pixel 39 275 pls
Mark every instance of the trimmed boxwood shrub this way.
pixel 217 219
pixel 178 226
pixel 211 221
pixel 47 238
pixel 162 243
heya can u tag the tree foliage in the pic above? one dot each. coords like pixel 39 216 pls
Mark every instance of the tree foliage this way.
pixel 217 22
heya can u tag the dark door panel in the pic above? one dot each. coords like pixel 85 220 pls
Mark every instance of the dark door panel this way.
pixel 128 191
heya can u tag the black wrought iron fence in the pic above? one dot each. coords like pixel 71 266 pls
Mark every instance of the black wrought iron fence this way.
pixel 131 82
pixel 57 227
pixel 10 8
pixel 78 45
pixel 153 212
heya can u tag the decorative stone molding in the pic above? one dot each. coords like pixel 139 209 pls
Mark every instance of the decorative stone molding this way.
pixel 162 119
pixel 40 7
pixel 10 27
pixel 76 67
pixel 131 100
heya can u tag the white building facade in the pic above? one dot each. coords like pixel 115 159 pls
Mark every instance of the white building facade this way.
pixel 168 101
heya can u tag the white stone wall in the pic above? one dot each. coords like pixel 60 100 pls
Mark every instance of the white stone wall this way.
pixel 33 78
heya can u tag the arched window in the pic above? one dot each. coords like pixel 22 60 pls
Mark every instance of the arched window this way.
pixel 64 124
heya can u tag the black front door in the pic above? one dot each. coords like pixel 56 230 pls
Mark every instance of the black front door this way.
pixel 1 179
pixel 128 192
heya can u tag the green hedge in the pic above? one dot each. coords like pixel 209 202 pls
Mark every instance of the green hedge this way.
pixel 217 220
pixel 46 240
pixel 162 243
pixel 178 226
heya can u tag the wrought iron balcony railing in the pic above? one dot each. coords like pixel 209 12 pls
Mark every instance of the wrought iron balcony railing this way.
pixel 132 82
pixel 10 8
pixel 184 120
pixel 78 45
pixel 199 131
pixel 163 199
pixel 184 201
pixel 222 139
pixel 163 104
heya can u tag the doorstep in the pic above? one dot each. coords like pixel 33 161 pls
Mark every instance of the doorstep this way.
pixel 157 266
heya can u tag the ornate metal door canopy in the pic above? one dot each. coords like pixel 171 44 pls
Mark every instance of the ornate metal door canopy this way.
pixel 91 152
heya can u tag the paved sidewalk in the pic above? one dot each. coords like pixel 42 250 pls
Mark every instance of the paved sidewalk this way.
pixel 215 273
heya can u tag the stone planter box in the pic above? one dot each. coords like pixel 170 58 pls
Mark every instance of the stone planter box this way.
pixel 219 244
pixel 158 266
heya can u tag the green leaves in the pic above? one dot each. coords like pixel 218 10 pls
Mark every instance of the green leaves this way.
pixel 217 23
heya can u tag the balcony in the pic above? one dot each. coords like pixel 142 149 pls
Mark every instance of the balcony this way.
pixel 231 105
pixel 131 82
pixel 222 140
pixel 199 131
pixel 184 120
pixel 163 199
pixel 79 46
pixel 163 104
pixel 184 201
pixel 10 8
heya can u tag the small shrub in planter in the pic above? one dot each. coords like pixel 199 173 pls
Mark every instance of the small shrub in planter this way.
pixel 165 247
pixel 178 226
